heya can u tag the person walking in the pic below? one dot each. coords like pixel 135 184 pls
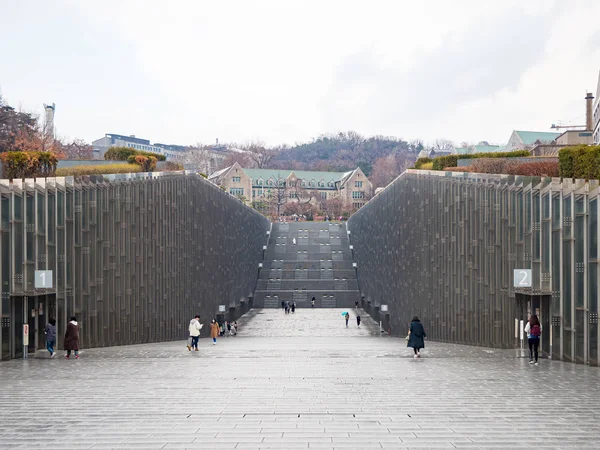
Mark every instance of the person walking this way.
pixel 416 336
pixel 194 329
pixel 347 317
pixel 534 331
pixel 50 332
pixel 358 321
pixel 72 338
pixel 283 304
pixel 312 303
pixel 294 308
pixel 214 331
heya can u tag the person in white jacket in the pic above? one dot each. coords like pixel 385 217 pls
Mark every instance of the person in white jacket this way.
pixel 194 329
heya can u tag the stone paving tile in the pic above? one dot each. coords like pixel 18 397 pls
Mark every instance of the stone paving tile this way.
pixel 298 381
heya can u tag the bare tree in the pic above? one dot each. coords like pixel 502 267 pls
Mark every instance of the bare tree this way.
pixel 260 156
pixel 77 149
pixel 443 145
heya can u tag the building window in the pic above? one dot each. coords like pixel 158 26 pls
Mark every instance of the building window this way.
pixel 358 184
pixel 303 183
pixel 253 193
pixel 293 195
pixel 312 183
pixel 358 194
pixel 270 182
pixel 323 195
pixel 357 205
pixel 331 184
pixel 237 179
pixel 260 182
pixel 321 184
pixel 236 191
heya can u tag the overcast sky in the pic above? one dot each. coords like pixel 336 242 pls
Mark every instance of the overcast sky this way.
pixel 286 71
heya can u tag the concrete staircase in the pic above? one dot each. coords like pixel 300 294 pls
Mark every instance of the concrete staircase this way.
pixel 318 265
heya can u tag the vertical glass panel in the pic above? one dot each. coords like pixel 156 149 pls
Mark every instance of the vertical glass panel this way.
pixel 69 205
pixel 527 212
pixel 41 213
pixel 593 288
pixel 18 236
pixel 556 212
pixel 536 245
pixel 567 214
pixel 18 205
pixel 5 213
pixel 546 206
pixel 579 248
pixel 556 240
pixel 60 209
pixel 545 249
pixel 30 208
pixel 536 207
pixel 5 263
pixel 593 230
pixel 567 267
pixel 579 206
pixel 51 218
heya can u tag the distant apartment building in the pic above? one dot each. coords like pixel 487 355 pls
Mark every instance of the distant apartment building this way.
pixel 171 152
pixel 353 188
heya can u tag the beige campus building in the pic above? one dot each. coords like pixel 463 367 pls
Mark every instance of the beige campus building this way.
pixel 255 185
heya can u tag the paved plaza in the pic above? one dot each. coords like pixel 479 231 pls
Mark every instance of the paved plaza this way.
pixel 298 381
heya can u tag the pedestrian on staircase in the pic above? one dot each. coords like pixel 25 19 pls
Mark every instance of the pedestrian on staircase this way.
pixel 214 331
pixel 312 303
pixel 294 308
pixel 347 317
pixel 358 321
pixel 294 241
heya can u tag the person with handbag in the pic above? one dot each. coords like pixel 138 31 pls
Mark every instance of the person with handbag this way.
pixel 416 336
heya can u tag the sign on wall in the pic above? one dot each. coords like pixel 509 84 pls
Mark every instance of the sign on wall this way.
pixel 43 279
pixel 522 278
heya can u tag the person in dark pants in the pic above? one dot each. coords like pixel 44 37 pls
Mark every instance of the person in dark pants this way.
pixel 534 331
pixel 312 303
pixel 358 321
pixel 72 338
pixel 347 317
pixel 50 332
pixel 416 336
pixel 282 304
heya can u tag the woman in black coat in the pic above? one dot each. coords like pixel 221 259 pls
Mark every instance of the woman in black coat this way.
pixel 416 336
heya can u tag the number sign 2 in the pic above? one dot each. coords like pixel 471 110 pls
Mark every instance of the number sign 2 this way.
pixel 522 278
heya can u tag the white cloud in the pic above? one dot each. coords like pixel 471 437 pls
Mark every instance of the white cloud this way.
pixel 192 71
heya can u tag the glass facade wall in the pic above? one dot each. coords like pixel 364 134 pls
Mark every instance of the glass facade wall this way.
pixel 444 246
pixel 133 256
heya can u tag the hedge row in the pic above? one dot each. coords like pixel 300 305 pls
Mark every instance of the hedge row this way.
pixel 507 167
pixel 123 154
pixel 421 161
pixel 98 170
pixel 441 162
pixel 582 162
pixel 28 164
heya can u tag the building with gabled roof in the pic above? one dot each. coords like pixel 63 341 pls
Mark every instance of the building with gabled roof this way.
pixel 353 188
pixel 526 140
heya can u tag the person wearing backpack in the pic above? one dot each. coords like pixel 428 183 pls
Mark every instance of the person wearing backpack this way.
pixel 534 331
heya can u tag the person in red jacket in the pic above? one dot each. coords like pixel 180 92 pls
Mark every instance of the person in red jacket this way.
pixel 72 338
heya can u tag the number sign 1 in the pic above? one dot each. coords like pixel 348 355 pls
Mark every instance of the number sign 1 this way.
pixel 522 278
